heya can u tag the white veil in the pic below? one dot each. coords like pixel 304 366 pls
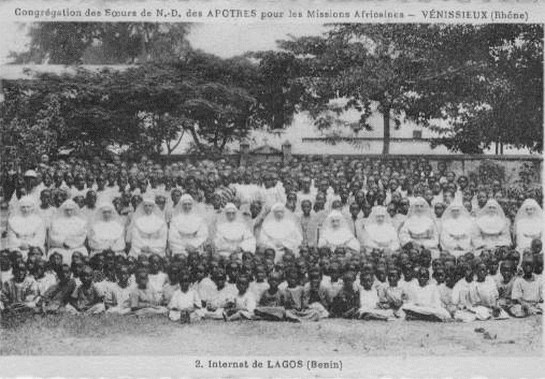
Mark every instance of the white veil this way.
pixel 340 235
pixel 188 222
pixel 17 222
pixel 460 225
pixel 531 223
pixel 68 204
pixel 491 223
pixel 419 222
pixel 276 229
pixel 379 210
pixel 110 229
pixel 153 222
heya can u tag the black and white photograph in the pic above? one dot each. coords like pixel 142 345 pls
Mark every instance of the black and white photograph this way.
pixel 290 189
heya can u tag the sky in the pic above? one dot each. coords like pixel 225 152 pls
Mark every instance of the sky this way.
pixel 224 40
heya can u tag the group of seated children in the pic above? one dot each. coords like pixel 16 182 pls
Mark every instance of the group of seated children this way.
pixel 315 284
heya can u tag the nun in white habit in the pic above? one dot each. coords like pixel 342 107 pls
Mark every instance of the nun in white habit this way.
pixel 232 233
pixel 26 228
pixel 148 229
pixel 68 231
pixel 280 231
pixel 188 230
pixel 106 231
pixel 456 231
pixel 528 224
pixel 336 233
pixel 420 228
pixel 491 227
pixel 380 233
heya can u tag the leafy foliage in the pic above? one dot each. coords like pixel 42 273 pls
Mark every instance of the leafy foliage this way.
pixel 141 108
pixel 470 75
pixel 104 43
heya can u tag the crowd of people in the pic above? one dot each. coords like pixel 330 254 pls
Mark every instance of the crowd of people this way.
pixel 382 239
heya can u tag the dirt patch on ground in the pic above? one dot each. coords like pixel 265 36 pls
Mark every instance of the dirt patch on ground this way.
pixel 117 335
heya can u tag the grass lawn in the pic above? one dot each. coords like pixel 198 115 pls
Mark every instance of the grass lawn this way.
pixel 131 335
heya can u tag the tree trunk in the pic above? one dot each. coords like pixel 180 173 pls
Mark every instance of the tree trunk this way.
pixel 386 141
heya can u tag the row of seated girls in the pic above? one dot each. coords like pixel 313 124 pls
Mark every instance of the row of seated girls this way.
pixel 307 285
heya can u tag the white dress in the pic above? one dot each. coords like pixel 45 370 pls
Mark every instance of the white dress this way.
pixel 28 229
pixel 71 231
pixel 187 231
pixel 151 231
pixel 233 235
pixel 104 235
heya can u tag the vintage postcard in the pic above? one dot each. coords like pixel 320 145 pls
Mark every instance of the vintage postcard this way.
pixel 271 189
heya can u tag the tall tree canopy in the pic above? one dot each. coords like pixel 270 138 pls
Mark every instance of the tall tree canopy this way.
pixel 104 43
pixel 462 73
pixel 142 108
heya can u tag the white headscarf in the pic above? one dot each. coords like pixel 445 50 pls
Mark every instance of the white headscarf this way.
pixel 529 224
pixel 381 233
pixel 279 228
pixel 457 226
pixel 494 222
pixel 68 204
pixel 234 229
pixel 339 235
pixel 419 222
pixel 145 223
pixel 187 222
pixel 20 223
pixel 111 229
pixel 68 225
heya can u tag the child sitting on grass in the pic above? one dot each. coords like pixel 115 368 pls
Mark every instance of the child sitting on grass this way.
pixel 203 284
pixel 346 303
pixel 221 298
pixel 86 298
pixel 486 294
pixel 391 296
pixel 505 286
pixel 244 303
pixel 259 285
pixel 185 303
pixel 43 280
pixel 144 299
pixel 527 294
pixel 117 298
pixel 20 293
pixel 172 285
pixel 369 301
pixel 58 296
pixel 426 304
pixel 271 305
pixel 316 299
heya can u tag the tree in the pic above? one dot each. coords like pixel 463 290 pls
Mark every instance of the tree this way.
pixel 413 71
pixel 104 43
pixel 509 109
pixel 142 108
